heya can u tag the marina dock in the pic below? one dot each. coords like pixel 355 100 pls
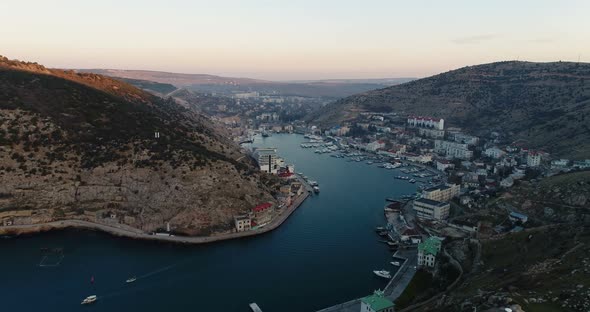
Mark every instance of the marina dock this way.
pixel 394 287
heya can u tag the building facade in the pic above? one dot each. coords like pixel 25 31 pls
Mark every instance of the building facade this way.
pixel 267 159
pixel 431 209
pixel 426 122
pixel 442 193
pixel 243 223
pixel 533 159
pixel 427 252
pixel 452 149
pixel 377 302
pixel 494 152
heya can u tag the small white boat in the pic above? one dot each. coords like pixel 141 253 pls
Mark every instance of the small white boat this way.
pixel 89 299
pixel 395 263
pixel 254 307
pixel 382 273
pixel 131 279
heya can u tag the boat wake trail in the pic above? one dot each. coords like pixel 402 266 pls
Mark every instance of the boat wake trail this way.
pixel 125 288
pixel 152 273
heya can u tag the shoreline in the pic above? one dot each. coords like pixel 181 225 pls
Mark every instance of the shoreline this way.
pixel 133 233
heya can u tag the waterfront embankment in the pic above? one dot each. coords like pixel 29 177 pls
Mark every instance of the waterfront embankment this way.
pixel 129 232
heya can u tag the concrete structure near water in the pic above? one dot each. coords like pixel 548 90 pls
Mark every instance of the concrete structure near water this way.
pixel 442 193
pixel 431 209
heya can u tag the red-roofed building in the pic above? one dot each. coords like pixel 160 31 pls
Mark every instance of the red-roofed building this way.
pixel 262 213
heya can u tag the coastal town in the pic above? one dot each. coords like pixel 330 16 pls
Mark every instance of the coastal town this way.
pixel 455 174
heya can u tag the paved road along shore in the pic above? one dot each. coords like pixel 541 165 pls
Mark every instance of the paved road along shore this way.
pixel 125 231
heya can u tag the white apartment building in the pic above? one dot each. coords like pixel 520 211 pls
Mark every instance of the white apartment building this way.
pixel 464 138
pixel 533 159
pixel 267 159
pixel 452 149
pixel 494 152
pixel 426 122
pixel 431 209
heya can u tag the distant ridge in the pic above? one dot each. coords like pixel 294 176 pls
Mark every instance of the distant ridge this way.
pixel 331 88
pixel 547 105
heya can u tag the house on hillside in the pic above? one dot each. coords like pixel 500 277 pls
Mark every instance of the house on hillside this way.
pixel 427 251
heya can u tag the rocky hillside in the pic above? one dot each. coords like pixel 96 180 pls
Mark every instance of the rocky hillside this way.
pixel 546 267
pixel 545 104
pixel 84 146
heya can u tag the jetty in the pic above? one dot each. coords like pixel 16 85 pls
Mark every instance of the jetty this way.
pixel 395 287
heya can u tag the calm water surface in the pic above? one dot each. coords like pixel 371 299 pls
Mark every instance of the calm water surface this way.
pixel 322 255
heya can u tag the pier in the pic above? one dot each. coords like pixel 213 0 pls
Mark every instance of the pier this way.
pixel 395 287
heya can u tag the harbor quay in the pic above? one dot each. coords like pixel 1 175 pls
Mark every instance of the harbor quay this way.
pixel 395 287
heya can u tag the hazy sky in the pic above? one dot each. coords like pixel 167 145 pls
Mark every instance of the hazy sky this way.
pixel 293 39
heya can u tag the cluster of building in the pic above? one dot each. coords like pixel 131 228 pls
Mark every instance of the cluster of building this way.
pixel 288 191
pixel 434 203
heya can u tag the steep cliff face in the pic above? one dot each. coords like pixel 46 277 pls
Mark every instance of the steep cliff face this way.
pixel 91 147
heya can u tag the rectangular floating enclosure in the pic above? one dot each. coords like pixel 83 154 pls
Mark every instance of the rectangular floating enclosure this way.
pixel 51 257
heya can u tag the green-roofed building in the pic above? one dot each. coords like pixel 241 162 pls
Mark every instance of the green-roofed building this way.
pixel 376 303
pixel 428 250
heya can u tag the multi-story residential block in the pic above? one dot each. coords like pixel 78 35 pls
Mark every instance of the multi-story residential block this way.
pixel 375 145
pixel 427 252
pixel 452 149
pixel 442 193
pixel 559 163
pixel 267 159
pixel 494 152
pixel 262 213
pixel 533 159
pixel 443 164
pixel 243 223
pixel 426 122
pixel 431 209
pixel 464 138
pixel 432 133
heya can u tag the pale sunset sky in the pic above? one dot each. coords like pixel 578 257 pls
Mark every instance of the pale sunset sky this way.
pixel 291 39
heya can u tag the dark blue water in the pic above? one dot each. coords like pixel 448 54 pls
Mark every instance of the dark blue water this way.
pixel 322 255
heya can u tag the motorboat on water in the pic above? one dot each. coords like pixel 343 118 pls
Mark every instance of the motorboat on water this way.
pixel 396 263
pixel 316 189
pixel 382 273
pixel 131 279
pixel 89 299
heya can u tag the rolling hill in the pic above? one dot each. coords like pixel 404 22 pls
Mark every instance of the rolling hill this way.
pixel 85 146
pixel 547 105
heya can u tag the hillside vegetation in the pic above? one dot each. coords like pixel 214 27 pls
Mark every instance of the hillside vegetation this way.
pixel 545 104
pixel 546 267
pixel 84 146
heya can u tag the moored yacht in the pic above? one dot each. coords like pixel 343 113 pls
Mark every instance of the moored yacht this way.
pixel 382 273
pixel 89 299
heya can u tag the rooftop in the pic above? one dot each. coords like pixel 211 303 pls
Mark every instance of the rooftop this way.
pixel 430 246
pixel 377 301
pixel 430 202
pixel 261 207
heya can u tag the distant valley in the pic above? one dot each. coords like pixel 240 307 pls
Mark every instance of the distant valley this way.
pixel 329 88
